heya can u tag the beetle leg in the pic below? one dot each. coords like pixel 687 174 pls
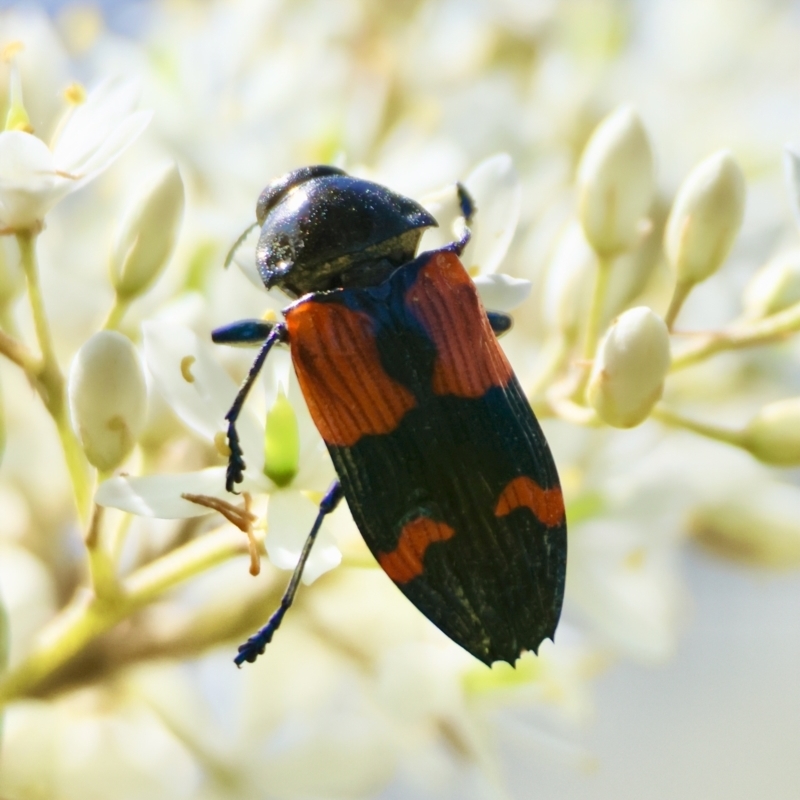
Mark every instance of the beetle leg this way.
pixel 255 645
pixel 236 463
pixel 468 210
pixel 244 332
pixel 501 322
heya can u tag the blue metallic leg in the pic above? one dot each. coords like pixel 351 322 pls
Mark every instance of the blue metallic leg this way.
pixel 255 645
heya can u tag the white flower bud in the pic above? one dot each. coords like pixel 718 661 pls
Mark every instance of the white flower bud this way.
pixel 108 398
pixel 568 285
pixel 773 434
pixel 791 171
pixel 616 183
pixel 705 218
pixel 774 287
pixel 148 235
pixel 760 526
pixel 629 368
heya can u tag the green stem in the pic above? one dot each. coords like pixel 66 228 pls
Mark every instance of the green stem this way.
pixel 679 295
pixel 49 381
pixel 116 314
pixel 737 337
pixel 17 352
pixel 553 359
pixel 89 616
pixel 710 431
pixel 101 565
pixel 593 326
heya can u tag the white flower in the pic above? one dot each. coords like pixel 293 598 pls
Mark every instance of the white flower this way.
pixel 201 392
pixel 34 177
pixel 494 186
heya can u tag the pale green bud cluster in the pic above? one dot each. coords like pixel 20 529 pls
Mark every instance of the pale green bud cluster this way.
pixel 705 218
pixel 629 369
pixel 760 527
pixel 773 434
pixel 775 287
pixel 148 235
pixel 616 183
pixel 107 398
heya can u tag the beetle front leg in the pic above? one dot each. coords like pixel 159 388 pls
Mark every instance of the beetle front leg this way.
pixel 236 463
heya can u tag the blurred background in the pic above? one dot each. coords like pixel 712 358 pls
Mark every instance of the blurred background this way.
pixel 676 673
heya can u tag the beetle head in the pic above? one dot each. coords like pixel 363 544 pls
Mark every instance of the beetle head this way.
pixel 322 229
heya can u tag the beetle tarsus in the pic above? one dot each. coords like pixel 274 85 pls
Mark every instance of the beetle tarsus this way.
pixel 236 464
pixel 468 209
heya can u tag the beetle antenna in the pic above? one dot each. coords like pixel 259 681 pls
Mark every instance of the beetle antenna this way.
pixel 238 243
pixel 468 209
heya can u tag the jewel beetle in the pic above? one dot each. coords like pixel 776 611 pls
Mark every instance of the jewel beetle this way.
pixel 445 469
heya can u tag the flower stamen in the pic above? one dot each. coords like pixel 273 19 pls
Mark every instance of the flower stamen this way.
pixel 242 518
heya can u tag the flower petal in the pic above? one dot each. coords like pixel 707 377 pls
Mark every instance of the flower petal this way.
pixel 100 129
pixel 159 496
pixel 197 387
pixel 290 517
pixel 27 180
pixel 495 188
pixel 502 292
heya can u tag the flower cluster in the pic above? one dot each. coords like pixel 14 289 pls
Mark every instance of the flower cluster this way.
pixel 124 584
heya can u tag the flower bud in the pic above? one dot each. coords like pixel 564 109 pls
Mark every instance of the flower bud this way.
pixel 705 218
pixel 148 235
pixel 791 170
pixel 108 398
pixel 281 442
pixel 615 183
pixel 760 526
pixel 629 368
pixel 773 434
pixel 568 285
pixel 774 287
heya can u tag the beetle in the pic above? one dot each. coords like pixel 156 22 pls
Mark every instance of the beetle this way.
pixel 442 462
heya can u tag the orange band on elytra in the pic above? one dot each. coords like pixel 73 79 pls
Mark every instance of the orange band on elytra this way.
pixel 546 504
pixel 405 561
